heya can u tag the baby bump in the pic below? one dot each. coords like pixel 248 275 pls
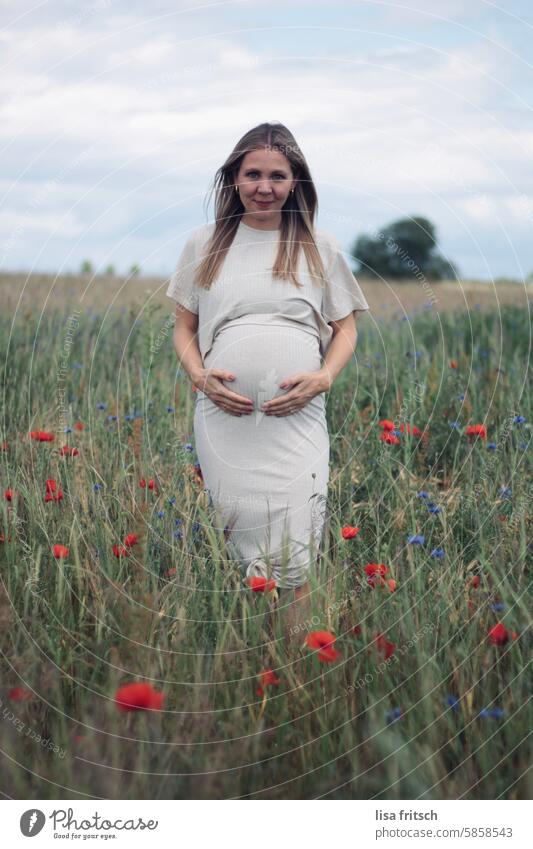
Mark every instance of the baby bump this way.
pixel 261 356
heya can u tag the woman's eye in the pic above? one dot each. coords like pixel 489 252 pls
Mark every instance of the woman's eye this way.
pixel 276 176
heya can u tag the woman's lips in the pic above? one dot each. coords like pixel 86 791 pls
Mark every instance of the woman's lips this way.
pixel 263 202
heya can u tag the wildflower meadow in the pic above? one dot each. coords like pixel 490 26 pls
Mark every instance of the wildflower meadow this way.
pixel 137 663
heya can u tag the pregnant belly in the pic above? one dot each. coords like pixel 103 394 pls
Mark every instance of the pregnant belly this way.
pixel 261 356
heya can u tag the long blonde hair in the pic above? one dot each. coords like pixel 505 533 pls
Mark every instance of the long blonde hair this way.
pixel 298 212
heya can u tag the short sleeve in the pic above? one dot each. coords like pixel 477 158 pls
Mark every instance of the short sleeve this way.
pixel 181 287
pixel 342 294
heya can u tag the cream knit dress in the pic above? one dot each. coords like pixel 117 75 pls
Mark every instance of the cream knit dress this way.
pixel 267 476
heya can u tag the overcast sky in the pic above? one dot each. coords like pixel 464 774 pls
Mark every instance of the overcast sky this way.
pixel 115 115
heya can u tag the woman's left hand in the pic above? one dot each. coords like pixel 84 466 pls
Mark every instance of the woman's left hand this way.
pixel 304 386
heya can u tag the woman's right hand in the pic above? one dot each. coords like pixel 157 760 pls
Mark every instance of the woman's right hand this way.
pixel 210 382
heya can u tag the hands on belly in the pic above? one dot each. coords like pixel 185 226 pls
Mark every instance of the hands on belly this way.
pixel 211 384
pixel 305 386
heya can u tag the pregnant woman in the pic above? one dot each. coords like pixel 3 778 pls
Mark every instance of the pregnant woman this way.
pixel 265 322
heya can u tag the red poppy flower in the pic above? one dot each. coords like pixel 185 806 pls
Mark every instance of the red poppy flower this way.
pixel 389 438
pixel 20 694
pixel 410 429
pixel 383 646
pixel 4 446
pixel 170 572
pixel 477 430
pixel 356 630
pixel 138 696
pixel 131 539
pixel 51 485
pixel 322 642
pixel 498 634
pixel 79 425
pixel 151 483
pixel 348 532
pixel 375 573
pixel 391 583
pixel 259 584
pixel 9 494
pixel 67 450
pixel 55 494
pixel 386 424
pixel 60 551
pixel 267 678
pixel 453 364
pixel 475 581
pixel 42 436
pixel 120 551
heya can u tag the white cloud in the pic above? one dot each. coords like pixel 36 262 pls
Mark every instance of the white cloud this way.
pixel 161 103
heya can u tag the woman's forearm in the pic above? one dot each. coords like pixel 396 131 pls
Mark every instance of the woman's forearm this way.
pixel 340 350
pixel 186 346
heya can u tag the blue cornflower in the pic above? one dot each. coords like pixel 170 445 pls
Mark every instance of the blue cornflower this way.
pixel 452 701
pixel 171 501
pixel 505 491
pixel 101 406
pixel 396 432
pixel 498 606
pixel 67 430
pixel 393 715
pixel 178 535
pixel 422 494
pixel 189 446
pixel 519 419
pixel 170 409
pixel 178 521
pixel 492 446
pixel 97 486
pixel 455 425
pixel 416 539
pixel 523 446
pixel 494 713
pixel 112 418
pixel 433 508
pixel 160 514
pixel 196 527
pixel 460 397
pixel 437 552
pixel 128 417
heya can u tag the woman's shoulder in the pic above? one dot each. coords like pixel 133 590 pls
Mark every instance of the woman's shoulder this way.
pixel 201 234
pixel 324 237
pixel 327 243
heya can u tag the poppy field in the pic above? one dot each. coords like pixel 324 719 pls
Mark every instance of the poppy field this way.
pixel 135 660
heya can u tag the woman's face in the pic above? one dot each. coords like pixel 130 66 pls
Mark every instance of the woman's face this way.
pixel 264 181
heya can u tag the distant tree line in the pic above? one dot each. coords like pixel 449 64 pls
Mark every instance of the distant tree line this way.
pixel 110 271
pixel 404 248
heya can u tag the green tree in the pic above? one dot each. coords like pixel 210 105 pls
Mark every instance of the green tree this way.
pixel 404 248
pixel 86 267
pixel 135 270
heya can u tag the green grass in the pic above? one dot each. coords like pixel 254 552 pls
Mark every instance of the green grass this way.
pixel 74 630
